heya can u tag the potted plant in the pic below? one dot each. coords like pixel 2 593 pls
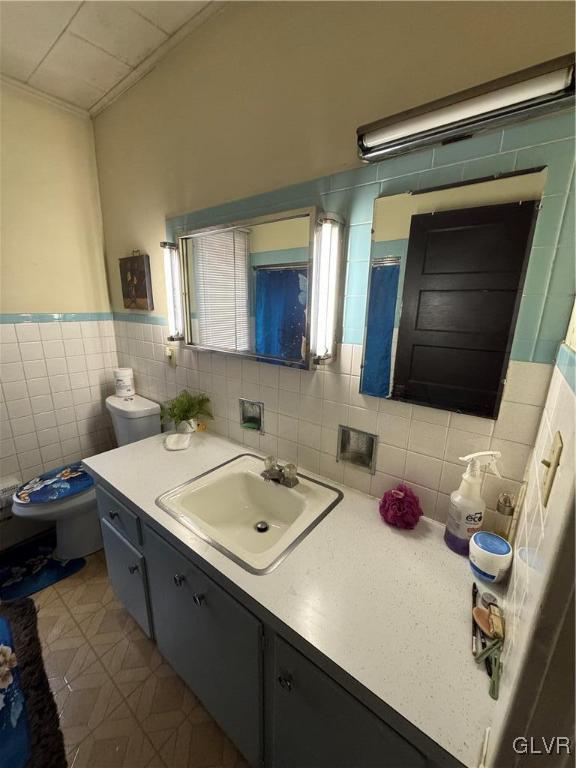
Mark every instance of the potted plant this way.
pixel 185 409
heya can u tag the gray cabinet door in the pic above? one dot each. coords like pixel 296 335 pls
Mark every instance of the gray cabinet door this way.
pixel 317 724
pixel 212 642
pixel 127 573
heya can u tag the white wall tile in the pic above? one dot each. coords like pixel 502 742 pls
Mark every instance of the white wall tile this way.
pixel 7 333
pixel 382 482
pixel 31 350
pixel 393 430
pixel 426 438
pixel 38 387
pixel 390 460
pixel 423 470
pixel 471 423
pixel 27 332
pixel 430 415
pixel 9 353
pixel 461 444
pixel 518 422
pixel 527 382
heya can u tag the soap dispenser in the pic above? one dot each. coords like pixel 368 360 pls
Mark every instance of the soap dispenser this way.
pixel 467 507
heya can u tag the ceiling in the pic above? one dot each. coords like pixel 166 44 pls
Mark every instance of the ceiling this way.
pixel 87 53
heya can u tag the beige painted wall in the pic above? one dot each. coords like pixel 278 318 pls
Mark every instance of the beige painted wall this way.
pixel 269 94
pixel 51 256
pixel 279 235
pixel 393 214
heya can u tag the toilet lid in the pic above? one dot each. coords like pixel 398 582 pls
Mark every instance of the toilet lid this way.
pixel 55 485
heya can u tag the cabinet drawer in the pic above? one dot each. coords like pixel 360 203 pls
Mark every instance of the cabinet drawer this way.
pixel 127 574
pixel 211 641
pixel 109 508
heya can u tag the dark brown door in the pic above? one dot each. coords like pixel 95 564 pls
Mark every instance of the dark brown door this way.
pixel 463 282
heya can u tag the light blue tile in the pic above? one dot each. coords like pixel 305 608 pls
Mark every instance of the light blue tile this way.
pixel 359 242
pixel 538 271
pixel 353 178
pixel 399 185
pixel 362 207
pixel 490 166
pixel 354 311
pixel 566 362
pixel 555 318
pixel 529 315
pixel 54 317
pixel 557 157
pixel 563 277
pixel 468 149
pixel 521 350
pixel 548 222
pixel 353 336
pixel 439 177
pixel 395 248
pixel 282 256
pixel 134 317
pixel 545 352
pixel 357 278
pixel 559 126
pixel 567 230
pixel 405 164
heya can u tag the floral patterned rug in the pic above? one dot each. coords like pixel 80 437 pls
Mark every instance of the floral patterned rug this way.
pixel 30 567
pixel 30 735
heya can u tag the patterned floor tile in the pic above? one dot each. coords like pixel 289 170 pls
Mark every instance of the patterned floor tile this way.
pixel 85 702
pixel 116 742
pixel 94 570
pixel 120 704
pixel 132 660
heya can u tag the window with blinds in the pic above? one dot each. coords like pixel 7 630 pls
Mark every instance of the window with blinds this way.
pixel 219 301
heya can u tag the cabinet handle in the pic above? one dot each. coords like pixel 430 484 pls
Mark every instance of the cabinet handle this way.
pixel 198 598
pixel 179 580
pixel 112 514
pixel 285 681
pixel 133 568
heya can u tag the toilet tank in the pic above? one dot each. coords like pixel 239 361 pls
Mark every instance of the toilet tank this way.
pixel 133 418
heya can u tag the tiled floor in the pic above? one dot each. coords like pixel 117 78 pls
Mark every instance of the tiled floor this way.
pixel 120 703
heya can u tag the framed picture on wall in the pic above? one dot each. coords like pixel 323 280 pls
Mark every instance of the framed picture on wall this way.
pixel 136 282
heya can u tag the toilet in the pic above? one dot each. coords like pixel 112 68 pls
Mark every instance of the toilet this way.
pixel 133 418
pixel 67 497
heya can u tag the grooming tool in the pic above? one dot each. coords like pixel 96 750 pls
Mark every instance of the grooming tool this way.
pixel 474 629
pixel 487 599
pixel 482 618
pixel 496 621
pixel 487 660
pixel 493 651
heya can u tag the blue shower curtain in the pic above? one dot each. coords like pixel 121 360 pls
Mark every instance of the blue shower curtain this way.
pixel 280 314
pixel 379 330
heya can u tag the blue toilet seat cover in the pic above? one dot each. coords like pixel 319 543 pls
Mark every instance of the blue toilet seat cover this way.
pixel 56 485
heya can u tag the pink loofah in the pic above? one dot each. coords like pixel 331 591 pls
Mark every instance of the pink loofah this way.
pixel 400 507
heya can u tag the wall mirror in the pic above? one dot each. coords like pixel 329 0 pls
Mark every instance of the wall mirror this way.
pixel 248 287
pixel 446 276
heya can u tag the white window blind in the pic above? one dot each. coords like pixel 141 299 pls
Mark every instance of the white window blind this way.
pixel 220 280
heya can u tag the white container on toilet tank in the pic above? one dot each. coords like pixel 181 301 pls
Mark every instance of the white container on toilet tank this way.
pixel 133 418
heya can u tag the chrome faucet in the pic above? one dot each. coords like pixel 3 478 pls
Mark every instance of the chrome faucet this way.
pixel 283 475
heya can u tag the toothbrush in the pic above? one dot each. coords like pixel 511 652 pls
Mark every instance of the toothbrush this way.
pixel 474 631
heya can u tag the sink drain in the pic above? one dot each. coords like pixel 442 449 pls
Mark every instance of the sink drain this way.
pixel 262 526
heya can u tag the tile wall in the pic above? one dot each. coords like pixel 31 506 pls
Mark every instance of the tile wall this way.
pixel 530 624
pixel 303 410
pixel 54 377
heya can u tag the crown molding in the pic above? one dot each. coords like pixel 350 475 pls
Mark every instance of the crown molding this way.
pixel 206 13
pixel 45 97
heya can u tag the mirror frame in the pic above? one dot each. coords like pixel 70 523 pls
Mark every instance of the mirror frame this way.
pixel 313 214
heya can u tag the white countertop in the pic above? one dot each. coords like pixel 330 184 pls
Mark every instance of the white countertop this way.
pixel 392 608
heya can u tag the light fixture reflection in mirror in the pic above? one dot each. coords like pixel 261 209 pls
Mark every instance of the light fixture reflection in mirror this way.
pixel 327 266
pixel 173 281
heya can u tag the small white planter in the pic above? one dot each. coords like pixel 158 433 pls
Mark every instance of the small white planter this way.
pixel 191 425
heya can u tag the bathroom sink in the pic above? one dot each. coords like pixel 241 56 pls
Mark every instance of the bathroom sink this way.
pixel 255 522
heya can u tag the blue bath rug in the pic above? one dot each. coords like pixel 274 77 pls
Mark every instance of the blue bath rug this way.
pixel 30 567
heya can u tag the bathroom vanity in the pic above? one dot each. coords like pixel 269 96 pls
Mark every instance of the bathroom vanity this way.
pixel 354 650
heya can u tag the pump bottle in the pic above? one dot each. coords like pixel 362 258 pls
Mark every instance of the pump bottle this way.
pixel 467 507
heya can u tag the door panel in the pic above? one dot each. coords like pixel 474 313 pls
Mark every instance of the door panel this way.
pixel 464 274
pixel 317 724
pixel 212 642
pixel 127 573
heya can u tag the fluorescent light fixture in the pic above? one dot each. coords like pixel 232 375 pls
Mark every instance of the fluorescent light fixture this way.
pixel 173 279
pixel 533 91
pixel 326 285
